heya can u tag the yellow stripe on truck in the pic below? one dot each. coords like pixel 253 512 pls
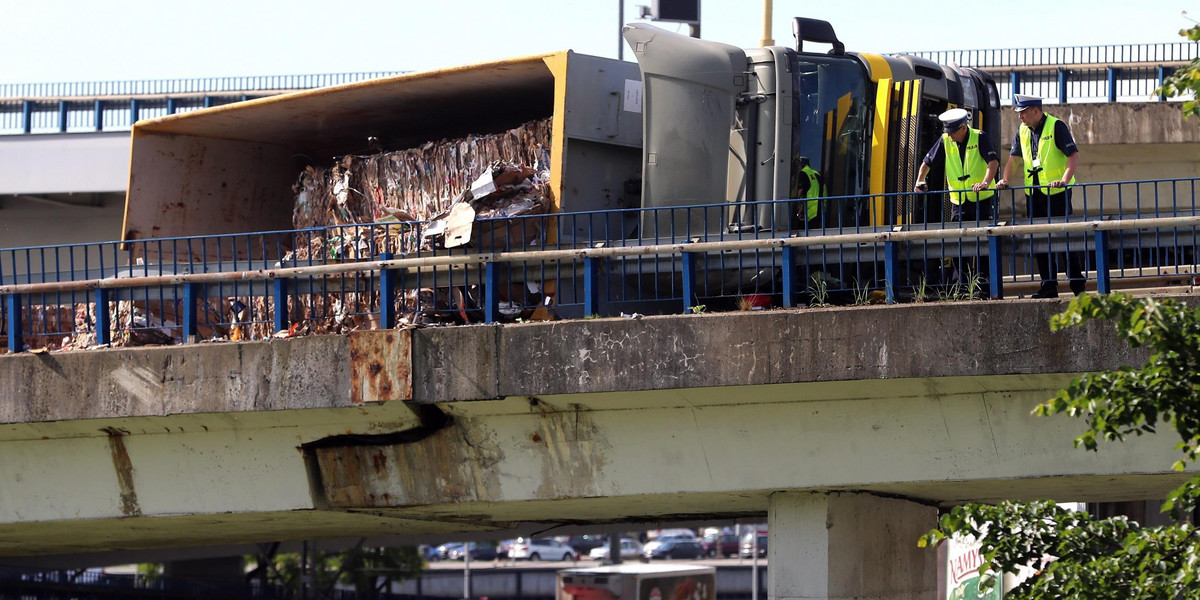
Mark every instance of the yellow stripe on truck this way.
pixel 880 72
pixel 879 149
pixel 878 67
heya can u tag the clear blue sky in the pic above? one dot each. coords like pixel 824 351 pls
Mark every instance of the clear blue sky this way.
pixel 79 40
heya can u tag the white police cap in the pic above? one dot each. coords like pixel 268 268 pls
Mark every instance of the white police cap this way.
pixel 953 119
pixel 1022 102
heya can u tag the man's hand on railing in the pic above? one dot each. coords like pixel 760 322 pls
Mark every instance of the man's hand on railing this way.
pixel 921 186
pixel 1058 183
pixel 1002 184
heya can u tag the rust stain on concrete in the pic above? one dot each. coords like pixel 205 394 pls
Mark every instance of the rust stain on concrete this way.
pixel 446 466
pixel 380 366
pixel 575 452
pixel 556 452
pixel 124 469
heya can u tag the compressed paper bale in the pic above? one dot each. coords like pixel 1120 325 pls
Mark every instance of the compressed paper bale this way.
pixel 419 182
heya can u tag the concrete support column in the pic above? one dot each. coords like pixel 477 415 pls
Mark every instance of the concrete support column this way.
pixel 849 545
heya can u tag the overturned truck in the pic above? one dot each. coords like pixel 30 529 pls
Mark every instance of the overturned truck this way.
pixel 702 142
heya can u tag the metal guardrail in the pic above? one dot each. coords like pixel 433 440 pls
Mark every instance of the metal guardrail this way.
pixel 1159 53
pixel 1115 73
pixel 91 106
pixel 687 259
pixel 169 87
pixel 1127 82
pixel 1112 73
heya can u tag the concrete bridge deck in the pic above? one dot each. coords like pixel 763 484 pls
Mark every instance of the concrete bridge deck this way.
pixel 428 432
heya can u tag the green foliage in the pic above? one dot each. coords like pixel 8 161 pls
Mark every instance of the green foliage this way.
pixel 698 309
pixel 1185 80
pixel 974 284
pixel 372 570
pixel 1134 401
pixel 369 570
pixel 1107 558
pixel 921 290
pixel 950 293
pixel 1096 558
pixel 819 290
pixel 149 572
pixel 862 294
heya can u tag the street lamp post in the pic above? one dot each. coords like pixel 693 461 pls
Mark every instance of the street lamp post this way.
pixel 620 24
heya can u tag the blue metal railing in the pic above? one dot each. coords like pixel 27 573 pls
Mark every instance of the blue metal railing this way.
pixel 1112 73
pixel 720 257
pixel 1115 73
pixel 167 87
pixel 1065 55
pixel 117 105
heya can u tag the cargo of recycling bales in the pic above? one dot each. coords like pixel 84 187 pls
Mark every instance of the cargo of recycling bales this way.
pixel 445 186
pixel 550 133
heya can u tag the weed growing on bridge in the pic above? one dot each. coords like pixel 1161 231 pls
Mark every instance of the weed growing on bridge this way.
pixel 921 291
pixel 819 290
pixel 862 294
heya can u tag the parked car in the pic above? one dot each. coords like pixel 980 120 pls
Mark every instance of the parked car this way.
pixel 428 553
pixel 630 549
pixel 656 534
pixel 720 544
pixel 478 552
pixel 442 552
pixel 583 544
pixel 747 550
pixel 676 548
pixel 666 537
pixel 540 549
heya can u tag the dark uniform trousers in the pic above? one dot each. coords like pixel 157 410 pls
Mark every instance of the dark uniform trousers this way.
pixel 1039 204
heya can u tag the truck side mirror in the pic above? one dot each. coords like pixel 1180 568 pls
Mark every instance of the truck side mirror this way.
pixel 815 30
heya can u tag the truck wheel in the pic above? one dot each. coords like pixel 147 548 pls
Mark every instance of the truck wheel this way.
pixel 535 556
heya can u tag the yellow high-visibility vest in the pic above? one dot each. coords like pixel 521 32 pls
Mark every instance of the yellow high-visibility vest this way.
pixel 960 177
pixel 814 191
pixel 1052 162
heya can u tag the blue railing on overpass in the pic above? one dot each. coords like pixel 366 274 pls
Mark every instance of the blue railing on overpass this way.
pixel 1113 73
pixel 116 105
pixel 676 260
pixel 1110 73
pixel 1054 56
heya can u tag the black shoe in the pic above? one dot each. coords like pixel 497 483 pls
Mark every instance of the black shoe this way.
pixel 1047 291
pixel 1078 287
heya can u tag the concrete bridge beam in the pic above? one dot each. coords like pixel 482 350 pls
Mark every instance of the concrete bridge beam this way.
pixel 848 545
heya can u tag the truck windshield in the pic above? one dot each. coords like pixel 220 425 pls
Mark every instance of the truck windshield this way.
pixel 830 126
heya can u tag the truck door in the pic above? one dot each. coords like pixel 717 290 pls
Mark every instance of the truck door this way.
pixel 690 92
pixel 908 140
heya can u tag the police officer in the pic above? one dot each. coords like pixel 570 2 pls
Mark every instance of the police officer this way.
pixel 970 162
pixel 807 183
pixel 1044 147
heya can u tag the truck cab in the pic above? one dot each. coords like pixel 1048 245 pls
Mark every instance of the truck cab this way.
pixel 728 126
